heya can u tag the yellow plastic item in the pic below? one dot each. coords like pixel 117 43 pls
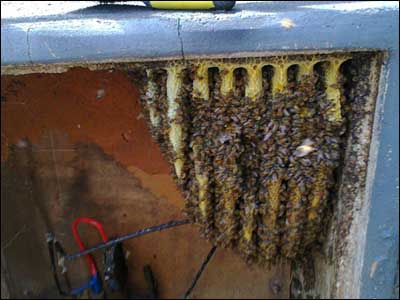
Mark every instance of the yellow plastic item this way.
pixel 182 4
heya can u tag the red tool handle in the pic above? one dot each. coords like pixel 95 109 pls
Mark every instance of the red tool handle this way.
pixel 82 247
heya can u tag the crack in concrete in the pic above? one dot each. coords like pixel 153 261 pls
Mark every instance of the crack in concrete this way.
pixel 28 42
pixel 180 39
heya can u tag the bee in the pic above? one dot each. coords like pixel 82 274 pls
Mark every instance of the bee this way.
pixel 263 158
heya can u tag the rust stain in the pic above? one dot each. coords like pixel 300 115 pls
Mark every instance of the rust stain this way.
pixel 69 103
pixel 160 185
pixel 93 156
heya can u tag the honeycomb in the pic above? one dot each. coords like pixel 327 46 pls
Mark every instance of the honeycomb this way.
pixel 254 144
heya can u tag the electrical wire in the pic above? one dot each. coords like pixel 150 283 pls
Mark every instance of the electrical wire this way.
pixel 56 249
pixel 126 237
pixel 200 271
pixel 100 229
pixel 51 245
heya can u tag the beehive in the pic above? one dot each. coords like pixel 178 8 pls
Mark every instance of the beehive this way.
pixel 253 144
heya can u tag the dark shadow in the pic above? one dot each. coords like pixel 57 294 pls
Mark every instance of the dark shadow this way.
pixel 109 8
pixel 24 222
pixel 131 8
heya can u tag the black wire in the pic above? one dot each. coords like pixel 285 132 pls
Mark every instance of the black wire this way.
pixel 203 266
pixel 126 237
pixel 51 248
pixel 61 252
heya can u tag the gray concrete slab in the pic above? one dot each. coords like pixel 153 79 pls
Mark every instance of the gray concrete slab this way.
pixel 381 259
pixel 118 32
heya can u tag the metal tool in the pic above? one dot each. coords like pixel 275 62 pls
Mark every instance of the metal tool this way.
pixel 114 265
pixel 115 269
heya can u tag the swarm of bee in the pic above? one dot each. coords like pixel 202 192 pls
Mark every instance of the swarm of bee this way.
pixel 254 144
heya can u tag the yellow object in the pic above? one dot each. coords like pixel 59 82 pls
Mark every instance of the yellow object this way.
pixel 174 83
pixel 253 91
pixel 279 80
pixel 227 80
pixel 254 82
pixel 182 4
pixel 151 92
pixel 317 194
pixel 200 83
pixel 332 91
pixel 271 206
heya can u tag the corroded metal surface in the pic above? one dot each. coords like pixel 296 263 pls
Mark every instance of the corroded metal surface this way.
pixel 75 151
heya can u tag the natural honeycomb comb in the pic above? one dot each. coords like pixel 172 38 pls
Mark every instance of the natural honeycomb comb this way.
pixel 253 149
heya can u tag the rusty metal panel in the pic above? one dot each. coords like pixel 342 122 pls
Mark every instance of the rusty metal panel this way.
pixel 76 144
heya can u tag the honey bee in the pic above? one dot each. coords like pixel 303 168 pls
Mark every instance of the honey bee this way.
pixel 256 173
